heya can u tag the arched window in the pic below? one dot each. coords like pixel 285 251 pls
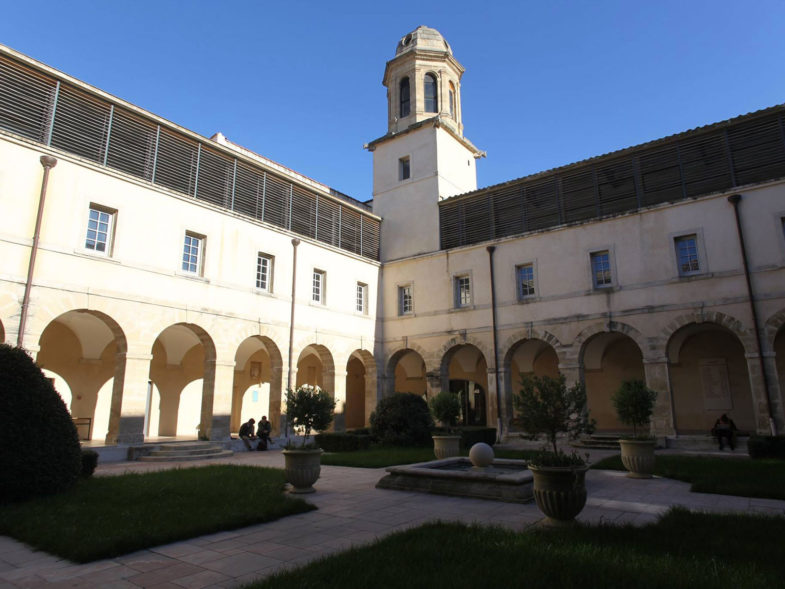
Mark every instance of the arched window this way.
pixel 404 96
pixel 430 93
pixel 452 100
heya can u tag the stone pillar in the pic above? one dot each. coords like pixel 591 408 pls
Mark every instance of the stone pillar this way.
pixel 32 351
pixel 775 391
pixel 572 372
pixel 339 394
pixel 129 399
pixel 658 379
pixel 220 389
pixel 760 405
pixel 433 384
pixel 492 419
pixel 508 393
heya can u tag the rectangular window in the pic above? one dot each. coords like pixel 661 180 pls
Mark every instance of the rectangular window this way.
pixel 318 287
pixel 463 291
pixel 100 223
pixel 404 168
pixel 687 254
pixel 264 272
pixel 193 253
pixel 362 298
pixel 405 300
pixel 601 269
pixel 525 275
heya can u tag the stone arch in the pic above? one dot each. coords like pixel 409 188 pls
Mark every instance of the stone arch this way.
pixel 406 372
pixel 578 345
pixel 709 376
pixel 257 383
pixel 464 370
pixel 455 342
pixel 745 336
pixel 607 359
pixel 773 326
pixel 526 356
pixel 529 334
pixel 87 349
pixel 361 387
pixel 321 373
pixel 408 347
pixel 182 355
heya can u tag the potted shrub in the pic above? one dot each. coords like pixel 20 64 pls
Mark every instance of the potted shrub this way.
pixel 446 408
pixel 634 403
pixel 307 408
pixel 548 407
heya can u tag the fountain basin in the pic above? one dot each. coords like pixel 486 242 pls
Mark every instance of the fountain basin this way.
pixel 502 480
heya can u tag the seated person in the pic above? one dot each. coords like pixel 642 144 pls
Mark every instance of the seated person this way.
pixel 265 427
pixel 246 432
pixel 725 429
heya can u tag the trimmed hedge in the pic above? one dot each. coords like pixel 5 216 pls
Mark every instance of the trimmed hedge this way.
pixel 402 419
pixel 40 447
pixel 766 447
pixel 89 462
pixel 342 442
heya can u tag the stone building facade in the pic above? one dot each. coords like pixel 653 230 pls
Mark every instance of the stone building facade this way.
pixel 181 283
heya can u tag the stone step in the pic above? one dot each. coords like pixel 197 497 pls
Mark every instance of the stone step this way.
pixel 186 445
pixel 217 453
pixel 184 451
pixel 702 443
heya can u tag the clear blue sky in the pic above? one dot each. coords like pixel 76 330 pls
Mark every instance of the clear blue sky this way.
pixel 547 83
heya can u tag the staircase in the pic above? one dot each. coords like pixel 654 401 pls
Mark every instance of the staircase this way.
pixel 185 451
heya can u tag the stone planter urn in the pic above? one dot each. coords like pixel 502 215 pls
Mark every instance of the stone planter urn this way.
pixel 302 468
pixel 446 446
pixel 560 492
pixel 637 456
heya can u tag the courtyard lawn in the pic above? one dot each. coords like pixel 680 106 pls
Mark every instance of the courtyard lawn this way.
pixel 724 476
pixel 103 517
pixel 383 456
pixel 682 550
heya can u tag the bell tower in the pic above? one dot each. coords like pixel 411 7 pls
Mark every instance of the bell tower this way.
pixel 424 156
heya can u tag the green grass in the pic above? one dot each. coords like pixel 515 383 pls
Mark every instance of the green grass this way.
pixel 682 550
pixel 741 477
pixel 103 517
pixel 383 456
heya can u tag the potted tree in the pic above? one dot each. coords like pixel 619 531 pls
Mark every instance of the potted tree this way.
pixel 307 408
pixel 446 408
pixel 547 406
pixel 634 403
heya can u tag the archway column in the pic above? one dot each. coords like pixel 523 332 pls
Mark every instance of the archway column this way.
pixel 221 386
pixel 339 394
pixel 658 379
pixel 129 399
pixel 435 382
pixel 492 419
pixel 775 391
pixel 508 394
pixel 758 390
pixel 571 372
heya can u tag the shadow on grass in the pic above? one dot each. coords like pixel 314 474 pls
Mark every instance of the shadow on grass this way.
pixel 103 517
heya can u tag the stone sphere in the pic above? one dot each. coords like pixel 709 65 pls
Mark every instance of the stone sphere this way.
pixel 481 455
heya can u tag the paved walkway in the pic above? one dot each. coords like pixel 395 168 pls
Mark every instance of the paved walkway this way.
pixel 351 512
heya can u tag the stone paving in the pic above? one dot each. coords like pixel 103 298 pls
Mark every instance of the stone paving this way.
pixel 351 512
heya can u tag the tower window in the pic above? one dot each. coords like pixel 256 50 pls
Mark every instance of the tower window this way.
pixel 430 93
pixel 452 100
pixel 404 95
pixel 404 168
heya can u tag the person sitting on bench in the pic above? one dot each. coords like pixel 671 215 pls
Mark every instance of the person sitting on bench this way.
pixel 246 432
pixel 265 427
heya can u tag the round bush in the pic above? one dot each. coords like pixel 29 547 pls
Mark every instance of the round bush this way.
pixel 402 419
pixel 39 446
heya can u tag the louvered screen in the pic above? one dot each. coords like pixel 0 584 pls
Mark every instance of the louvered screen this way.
pixel 371 237
pixel 249 191
pixel 450 225
pixel 616 187
pixel 276 202
pixel 579 195
pixel 542 207
pixel 477 220
pixel 216 173
pixel 26 99
pixel 328 222
pixel 350 230
pixel 758 149
pixel 660 175
pixel 176 163
pixel 132 145
pixel 81 124
pixel 508 212
pixel 303 212
pixel 705 165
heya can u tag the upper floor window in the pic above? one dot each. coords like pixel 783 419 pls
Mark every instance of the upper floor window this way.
pixel 264 272
pixel 193 253
pixel 452 100
pixel 362 298
pixel 601 269
pixel 431 95
pixel 318 287
pixel 404 94
pixel 404 168
pixel 687 254
pixel 100 225
pixel 525 279
pixel 405 300
pixel 463 291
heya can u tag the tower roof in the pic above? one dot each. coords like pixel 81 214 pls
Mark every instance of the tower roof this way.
pixel 423 38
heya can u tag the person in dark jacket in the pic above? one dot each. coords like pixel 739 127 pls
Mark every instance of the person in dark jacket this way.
pixel 725 429
pixel 246 432
pixel 265 427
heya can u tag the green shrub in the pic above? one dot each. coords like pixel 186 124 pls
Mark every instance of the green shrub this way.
pixel 309 408
pixel 634 403
pixel 89 462
pixel 342 442
pixel 360 431
pixel 40 447
pixel 402 419
pixel 766 447
pixel 446 408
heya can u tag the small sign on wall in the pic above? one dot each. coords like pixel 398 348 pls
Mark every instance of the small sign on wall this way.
pixel 715 384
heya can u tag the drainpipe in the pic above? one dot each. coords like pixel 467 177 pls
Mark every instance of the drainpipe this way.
pixel 48 162
pixel 295 243
pixel 491 249
pixel 734 199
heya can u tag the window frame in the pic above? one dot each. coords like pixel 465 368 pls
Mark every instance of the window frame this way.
pixel 703 266
pixel 361 298
pixel 109 233
pixel 322 287
pixel 518 290
pixel 268 288
pixel 459 300
pixel 407 102
pixel 426 98
pixel 200 254
pixel 404 168
pixel 402 290
pixel 595 254
pixel 692 254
